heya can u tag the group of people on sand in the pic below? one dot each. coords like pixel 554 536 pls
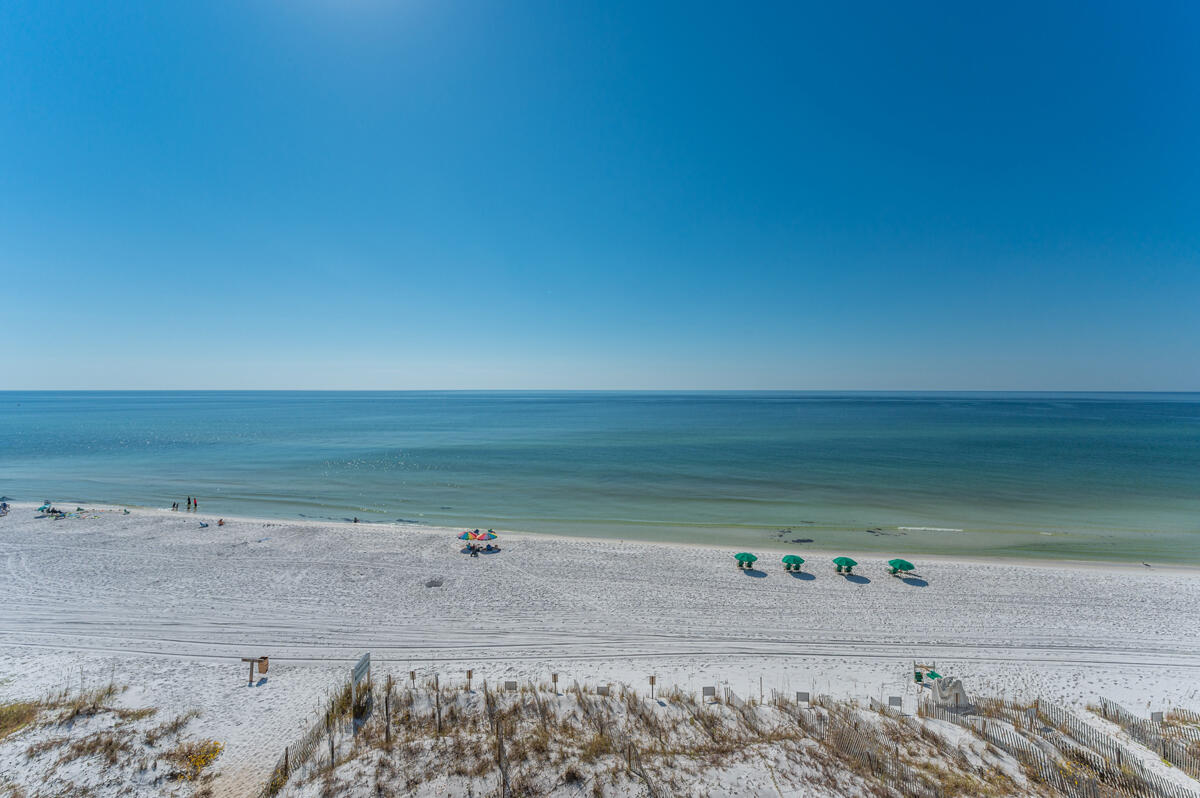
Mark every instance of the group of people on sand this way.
pixel 474 548
pixel 192 504
pixel 52 511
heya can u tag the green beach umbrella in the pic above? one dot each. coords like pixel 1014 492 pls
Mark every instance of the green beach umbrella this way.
pixel 792 559
pixel 744 556
pixel 845 562
pixel 901 565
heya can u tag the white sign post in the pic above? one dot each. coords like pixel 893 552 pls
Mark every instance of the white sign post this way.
pixel 362 670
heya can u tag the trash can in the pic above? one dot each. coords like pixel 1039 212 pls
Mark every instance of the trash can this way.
pixel 262 664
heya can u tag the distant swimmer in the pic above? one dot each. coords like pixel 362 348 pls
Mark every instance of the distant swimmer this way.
pixel 220 522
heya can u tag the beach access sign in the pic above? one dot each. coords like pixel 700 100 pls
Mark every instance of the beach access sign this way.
pixel 361 702
pixel 361 670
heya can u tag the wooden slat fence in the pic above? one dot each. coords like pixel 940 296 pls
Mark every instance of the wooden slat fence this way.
pixel 1123 776
pixel 1184 715
pixel 1158 737
pixel 300 754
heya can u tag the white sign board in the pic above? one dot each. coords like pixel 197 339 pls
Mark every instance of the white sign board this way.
pixel 361 670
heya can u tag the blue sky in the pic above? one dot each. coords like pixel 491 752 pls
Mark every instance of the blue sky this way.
pixel 371 194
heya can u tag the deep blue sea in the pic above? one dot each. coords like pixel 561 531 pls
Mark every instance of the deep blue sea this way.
pixel 1114 476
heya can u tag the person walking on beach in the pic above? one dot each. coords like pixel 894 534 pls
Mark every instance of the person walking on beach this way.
pixel 189 504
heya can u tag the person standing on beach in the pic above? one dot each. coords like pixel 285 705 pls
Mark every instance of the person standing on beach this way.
pixel 189 504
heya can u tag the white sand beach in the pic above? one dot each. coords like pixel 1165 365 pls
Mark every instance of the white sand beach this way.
pixel 151 600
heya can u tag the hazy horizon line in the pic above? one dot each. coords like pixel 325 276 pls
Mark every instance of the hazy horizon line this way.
pixel 609 390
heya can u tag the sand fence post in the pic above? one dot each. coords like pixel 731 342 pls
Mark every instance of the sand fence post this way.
pixel 329 733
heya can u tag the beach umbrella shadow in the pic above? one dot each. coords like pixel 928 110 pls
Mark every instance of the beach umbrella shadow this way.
pixel 857 579
pixel 914 581
pixel 754 572
pixel 803 576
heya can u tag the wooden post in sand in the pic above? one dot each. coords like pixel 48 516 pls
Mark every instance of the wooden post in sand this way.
pixel 387 710
pixel 554 679
pixel 652 687
pixel 253 661
pixel 468 681
pixel 329 732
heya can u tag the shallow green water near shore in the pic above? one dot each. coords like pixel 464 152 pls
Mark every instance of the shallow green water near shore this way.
pixel 1089 476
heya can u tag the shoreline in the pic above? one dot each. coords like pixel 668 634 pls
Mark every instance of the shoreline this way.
pixel 1048 562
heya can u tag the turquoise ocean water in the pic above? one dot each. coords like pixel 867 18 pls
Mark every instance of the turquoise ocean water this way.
pixel 1105 476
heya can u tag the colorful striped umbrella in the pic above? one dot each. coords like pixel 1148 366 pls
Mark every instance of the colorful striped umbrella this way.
pixel 489 535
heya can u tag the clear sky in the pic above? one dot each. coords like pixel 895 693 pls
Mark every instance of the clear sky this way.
pixel 431 194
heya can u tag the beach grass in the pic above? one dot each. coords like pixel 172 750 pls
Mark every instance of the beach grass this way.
pixel 16 715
